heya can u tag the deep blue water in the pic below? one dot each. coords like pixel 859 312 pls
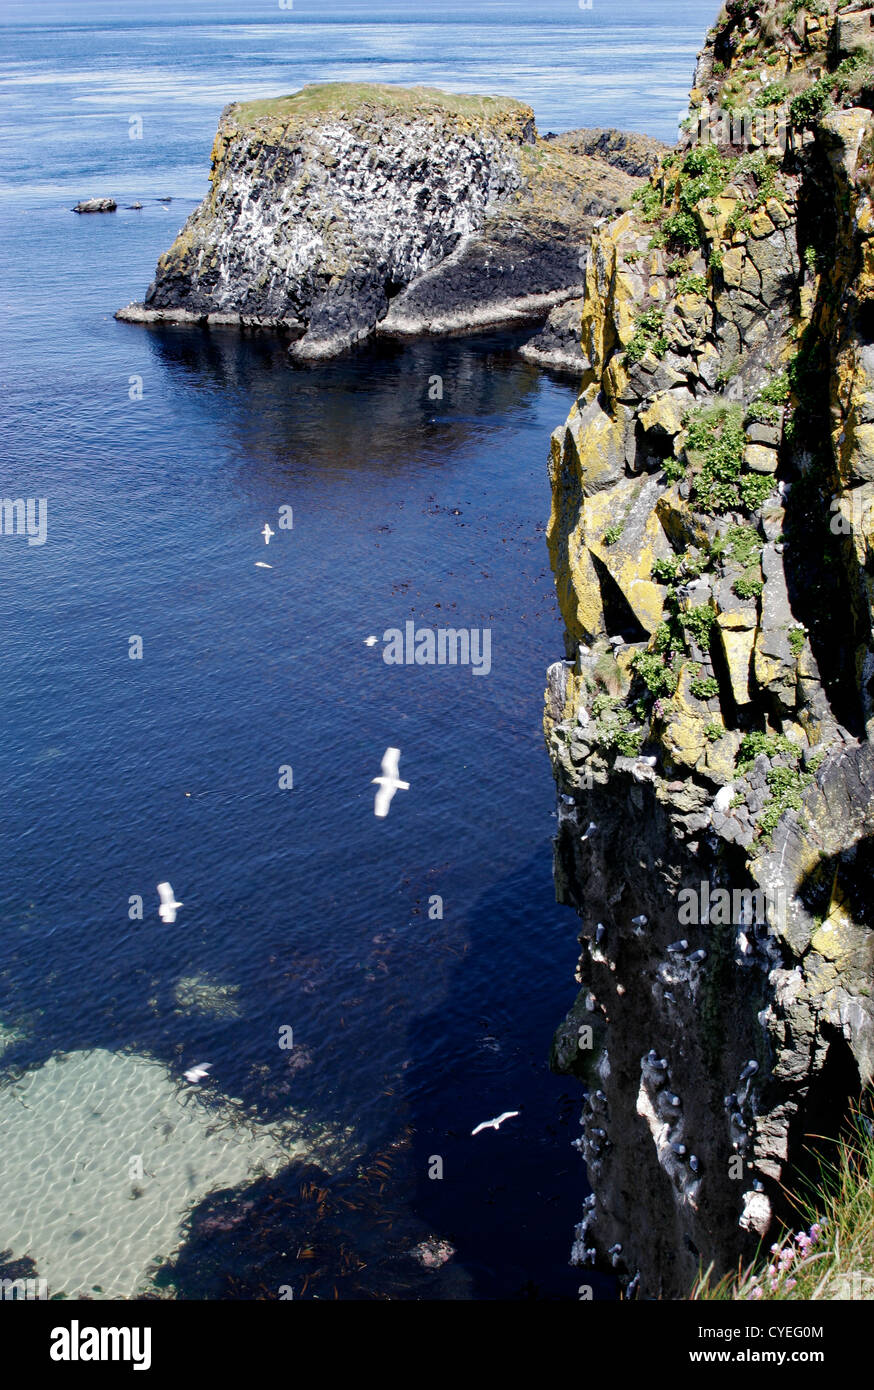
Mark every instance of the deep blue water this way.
pixel 314 911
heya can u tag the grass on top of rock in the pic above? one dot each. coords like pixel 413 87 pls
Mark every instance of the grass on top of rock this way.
pixel 671 201
pixel 675 569
pixel 323 98
pixel 659 666
pixel 714 449
pixel 743 544
pixel 691 284
pixel 768 405
pixel 776 392
pixel 698 622
pixel 786 785
pixel 657 674
pixel 747 587
pixel 785 780
pixel 764 170
pixel 773 94
pixel 648 336
pixel 704 687
pixel 755 743
pixel 840 87
pixel 612 726
pixel 832 1255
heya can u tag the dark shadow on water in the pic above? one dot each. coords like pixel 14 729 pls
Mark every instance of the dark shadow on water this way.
pixel 386 397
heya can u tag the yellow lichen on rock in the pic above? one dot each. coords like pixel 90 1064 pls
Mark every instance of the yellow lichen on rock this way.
pixel 684 737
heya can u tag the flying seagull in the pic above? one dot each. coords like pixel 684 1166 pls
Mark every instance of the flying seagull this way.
pixel 262 565
pixel 198 1072
pixel 496 1123
pixel 370 641
pixel 267 533
pixel 167 910
pixel 389 782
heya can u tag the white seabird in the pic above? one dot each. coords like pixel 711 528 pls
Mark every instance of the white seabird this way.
pixel 262 565
pixel 724 798
pixel 590 830
pixel 389 782
pixel 267 533
pixel 497 1122
pixel 199 1072
pixel 370 641
pixel 169 905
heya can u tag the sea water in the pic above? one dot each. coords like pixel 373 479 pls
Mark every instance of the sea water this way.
pixel 417 962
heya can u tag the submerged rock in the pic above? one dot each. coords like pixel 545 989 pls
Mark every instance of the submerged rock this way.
pixel 431 1254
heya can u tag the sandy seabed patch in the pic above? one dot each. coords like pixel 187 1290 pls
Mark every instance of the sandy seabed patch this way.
pixel 76 1133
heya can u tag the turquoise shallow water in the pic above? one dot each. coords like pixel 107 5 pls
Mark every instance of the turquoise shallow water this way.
pixel 300 906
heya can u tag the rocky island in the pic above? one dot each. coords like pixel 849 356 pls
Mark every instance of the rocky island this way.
pixel 347 209
pixel 710 725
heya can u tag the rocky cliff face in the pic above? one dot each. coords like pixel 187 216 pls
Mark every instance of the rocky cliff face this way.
pixel 345 208
pixel 710 728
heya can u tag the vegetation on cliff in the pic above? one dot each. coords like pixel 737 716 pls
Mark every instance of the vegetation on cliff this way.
pixel 712 538
pixel 828 1253
pixel 363 98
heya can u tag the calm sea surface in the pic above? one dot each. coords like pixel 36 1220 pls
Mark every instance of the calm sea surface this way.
pixel 301 909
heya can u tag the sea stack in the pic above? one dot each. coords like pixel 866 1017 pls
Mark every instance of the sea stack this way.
pixel 350 208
